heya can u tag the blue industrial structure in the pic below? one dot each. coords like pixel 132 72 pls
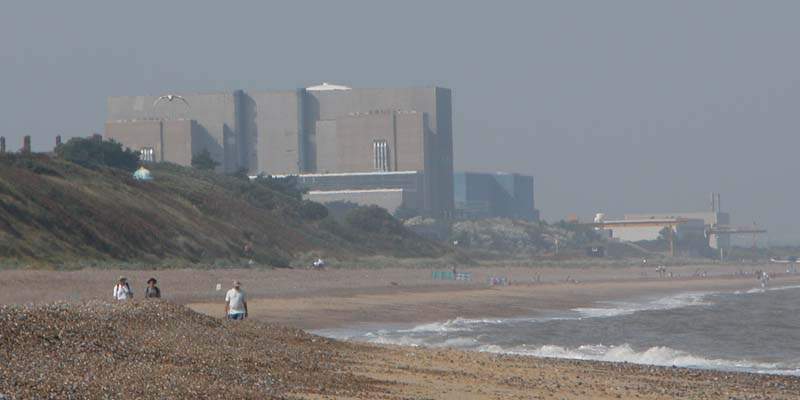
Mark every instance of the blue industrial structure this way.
pixel 489 195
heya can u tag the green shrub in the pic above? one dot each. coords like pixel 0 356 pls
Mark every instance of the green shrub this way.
pixel 310 210
pixel 338 209
pixel 95 152
pixel 287 185
pixel 404 213
pixel 203 161
pixel 241 174
pixel 374 219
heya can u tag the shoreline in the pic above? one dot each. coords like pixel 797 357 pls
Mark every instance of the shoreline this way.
pixel 342 298
pixel 423 305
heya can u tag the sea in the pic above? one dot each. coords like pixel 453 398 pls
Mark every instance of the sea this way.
pixel 755 330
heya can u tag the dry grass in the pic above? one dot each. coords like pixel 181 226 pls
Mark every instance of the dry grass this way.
pixel 53 212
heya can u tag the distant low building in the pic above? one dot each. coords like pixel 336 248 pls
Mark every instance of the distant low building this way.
pixel 639 229
pixel 489 195
pixel 699 222
pixel 391 190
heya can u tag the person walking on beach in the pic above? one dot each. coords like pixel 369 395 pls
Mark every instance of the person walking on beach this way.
pixel 235 303
pixel 152 291
pixel 764 279
pixel 122 290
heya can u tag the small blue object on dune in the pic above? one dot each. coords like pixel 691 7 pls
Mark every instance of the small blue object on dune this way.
pixel 142 174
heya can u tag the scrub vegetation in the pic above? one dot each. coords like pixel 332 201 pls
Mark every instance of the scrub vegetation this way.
pixel 58 212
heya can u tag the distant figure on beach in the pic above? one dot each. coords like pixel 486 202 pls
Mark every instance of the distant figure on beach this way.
pixel 235 303
pixel 249 253
pixel 152 291
pixel 122 290
pixel 319 264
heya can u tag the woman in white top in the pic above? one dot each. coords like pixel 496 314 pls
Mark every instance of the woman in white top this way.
pixel 123 291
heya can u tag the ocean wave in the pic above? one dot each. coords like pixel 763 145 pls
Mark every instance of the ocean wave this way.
pixel 454 325
pixel 659 355
pixel 395 340
pixel 618 308
pixel 779 288
pixel 425 334
pixel 767 289
pixel 460 342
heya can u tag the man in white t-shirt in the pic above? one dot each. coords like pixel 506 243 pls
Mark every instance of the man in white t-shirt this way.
pixel 235 303
pixel 123 291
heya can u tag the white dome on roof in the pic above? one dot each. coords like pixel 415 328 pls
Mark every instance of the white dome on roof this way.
pixel 327 86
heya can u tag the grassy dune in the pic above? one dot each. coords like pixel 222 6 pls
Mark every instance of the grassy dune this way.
pixel 56 212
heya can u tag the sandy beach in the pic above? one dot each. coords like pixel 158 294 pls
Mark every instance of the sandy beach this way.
pixel 341 298
pixel 344 297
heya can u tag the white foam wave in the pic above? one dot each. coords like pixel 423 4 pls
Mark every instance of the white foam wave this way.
pixel 767 289
pixel 399 340
pixel 659 355
pixel 617 308
pixel 453 325
pixel 778 288
pixel 406 340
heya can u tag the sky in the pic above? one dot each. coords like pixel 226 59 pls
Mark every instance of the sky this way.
pixel 613 106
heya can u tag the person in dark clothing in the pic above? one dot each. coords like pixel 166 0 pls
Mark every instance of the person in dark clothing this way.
pixel 152 290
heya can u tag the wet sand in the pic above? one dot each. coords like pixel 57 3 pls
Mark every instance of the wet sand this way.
pixel 422 305
pixel 455 375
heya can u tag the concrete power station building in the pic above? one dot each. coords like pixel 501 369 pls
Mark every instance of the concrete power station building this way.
pixel 391 147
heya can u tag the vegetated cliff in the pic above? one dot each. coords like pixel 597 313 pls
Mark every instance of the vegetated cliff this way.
pixel 54 211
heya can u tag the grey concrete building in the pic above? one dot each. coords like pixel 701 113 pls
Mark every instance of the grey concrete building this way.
pixel 325 129
pixel 137 122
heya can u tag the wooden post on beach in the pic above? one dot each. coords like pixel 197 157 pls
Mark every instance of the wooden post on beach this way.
pixel 671 241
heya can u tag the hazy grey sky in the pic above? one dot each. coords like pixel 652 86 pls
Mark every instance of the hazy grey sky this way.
pixel 614 106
